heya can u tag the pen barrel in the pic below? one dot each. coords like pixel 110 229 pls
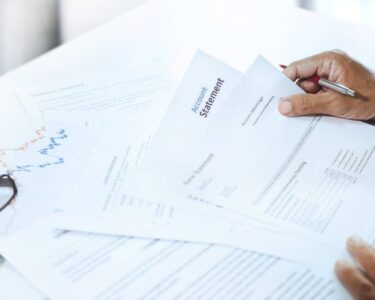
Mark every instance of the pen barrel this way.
pixel 336 87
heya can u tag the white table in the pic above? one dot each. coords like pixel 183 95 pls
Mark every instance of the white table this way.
pixel 235 31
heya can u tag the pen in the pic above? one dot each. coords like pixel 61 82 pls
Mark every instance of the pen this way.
pixel 340 88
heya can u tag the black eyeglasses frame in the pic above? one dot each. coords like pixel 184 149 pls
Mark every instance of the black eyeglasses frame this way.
pixel 7 181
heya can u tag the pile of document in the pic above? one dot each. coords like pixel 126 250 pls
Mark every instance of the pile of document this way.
pixel 129 189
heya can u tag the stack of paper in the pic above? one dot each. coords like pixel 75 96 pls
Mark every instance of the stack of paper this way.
pixel 132 189
pixel 227 191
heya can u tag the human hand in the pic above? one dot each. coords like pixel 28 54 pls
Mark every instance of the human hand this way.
pixel 359 281
pixel 337 67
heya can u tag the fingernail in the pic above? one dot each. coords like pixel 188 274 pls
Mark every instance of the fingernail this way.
pixel 285 107
pixel 355 242
pixel 342 264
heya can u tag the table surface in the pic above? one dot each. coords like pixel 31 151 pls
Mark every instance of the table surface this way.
pixel 235 31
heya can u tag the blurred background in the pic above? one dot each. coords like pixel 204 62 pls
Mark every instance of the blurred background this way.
pixel 29 28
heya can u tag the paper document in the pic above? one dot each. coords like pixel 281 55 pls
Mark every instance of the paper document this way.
pixel 304 174
pixel 140 218
pixel 36 153
pixel 69 265
pixel 127 87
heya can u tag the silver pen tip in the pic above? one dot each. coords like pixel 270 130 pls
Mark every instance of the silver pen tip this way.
pixel 351 93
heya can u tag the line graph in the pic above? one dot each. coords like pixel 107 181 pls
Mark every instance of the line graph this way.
pixel 42 144
pixel 37 154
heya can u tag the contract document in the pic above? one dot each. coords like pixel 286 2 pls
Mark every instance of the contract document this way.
pixel 72 265
pixel 307 175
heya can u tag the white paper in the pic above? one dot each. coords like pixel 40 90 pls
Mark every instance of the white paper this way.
pixel 140 218
pixel 15 286
pixel 305 174
pixel 68 265
pixel 126 87
pixel 44 158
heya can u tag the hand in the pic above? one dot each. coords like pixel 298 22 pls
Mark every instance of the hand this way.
pixel 337 67
pixel 359 281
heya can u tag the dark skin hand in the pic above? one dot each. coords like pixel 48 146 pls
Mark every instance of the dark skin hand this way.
pixel 337 67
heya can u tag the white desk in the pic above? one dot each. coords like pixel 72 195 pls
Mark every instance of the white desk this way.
pixel 235 31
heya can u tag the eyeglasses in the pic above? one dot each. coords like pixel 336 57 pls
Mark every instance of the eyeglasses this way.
pixel 8 191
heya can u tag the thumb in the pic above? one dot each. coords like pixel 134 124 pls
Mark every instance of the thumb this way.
pixel 305 104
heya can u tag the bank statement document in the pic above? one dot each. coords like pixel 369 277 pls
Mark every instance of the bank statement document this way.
pixel 309 174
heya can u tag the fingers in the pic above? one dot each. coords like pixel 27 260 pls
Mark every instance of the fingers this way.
pixel 326 103
pixel 309 86
pixel 364 254
pixel 338 67
pixel 320 64
pixel 354 281
pixel 303 68
pixel 306 104
pixel 360 284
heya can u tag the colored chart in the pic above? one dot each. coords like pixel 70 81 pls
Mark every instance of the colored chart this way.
pixel 42 146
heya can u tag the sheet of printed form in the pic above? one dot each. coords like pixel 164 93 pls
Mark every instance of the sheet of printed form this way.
pixel 307 175
pixel 131 89
pixel 34 153
pixel 127 86
pixel 73 265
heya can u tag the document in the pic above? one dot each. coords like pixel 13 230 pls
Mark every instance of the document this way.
pixel 107 209
pixel 304 174
pixel 72 265
pixel 126 87
pixel 141 218
pixel 114 148
pixel 44 158
pixel 208 83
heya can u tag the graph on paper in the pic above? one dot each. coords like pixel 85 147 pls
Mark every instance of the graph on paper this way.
pixel 42 158
pixel 35 153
